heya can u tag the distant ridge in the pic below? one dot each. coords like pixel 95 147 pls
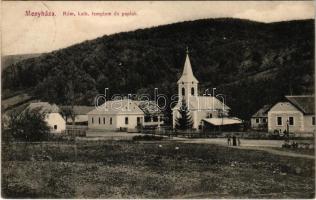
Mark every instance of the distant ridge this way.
pixel 252 63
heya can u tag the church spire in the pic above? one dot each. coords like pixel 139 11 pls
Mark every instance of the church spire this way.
pixel 187 74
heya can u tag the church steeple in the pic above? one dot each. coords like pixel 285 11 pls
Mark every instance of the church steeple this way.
pixel 187 74
pixel 187 84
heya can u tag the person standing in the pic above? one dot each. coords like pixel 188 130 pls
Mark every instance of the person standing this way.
pixel 238 141
pixel 234 140
pixel 228 140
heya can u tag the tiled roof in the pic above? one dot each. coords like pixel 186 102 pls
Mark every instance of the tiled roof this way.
pixel 149 107
pixel 262 112
pixel 304 103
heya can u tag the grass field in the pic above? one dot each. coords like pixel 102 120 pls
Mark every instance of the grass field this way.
pixel 130 169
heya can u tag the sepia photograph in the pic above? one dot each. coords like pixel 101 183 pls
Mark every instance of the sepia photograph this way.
pixel 158 99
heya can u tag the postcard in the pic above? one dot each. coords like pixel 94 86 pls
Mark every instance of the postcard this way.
pixel 158 99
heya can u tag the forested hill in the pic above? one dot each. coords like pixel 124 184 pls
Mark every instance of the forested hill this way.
pixel 251 63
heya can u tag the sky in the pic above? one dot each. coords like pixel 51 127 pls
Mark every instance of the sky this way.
pixel 28 34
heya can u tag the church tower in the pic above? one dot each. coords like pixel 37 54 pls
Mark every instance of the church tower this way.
pixel 187 84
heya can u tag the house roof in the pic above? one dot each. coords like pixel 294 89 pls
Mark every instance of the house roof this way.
pixel 304 103
pixel 125 106
pixel 223 121
pixel 149 107
pixel 187 74
pixel 44 107
pixel 262 112
pixel 204 103
pixel 80 110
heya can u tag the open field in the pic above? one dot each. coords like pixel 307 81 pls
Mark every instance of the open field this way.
pixel 130 169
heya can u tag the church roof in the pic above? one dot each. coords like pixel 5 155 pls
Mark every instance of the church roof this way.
pixel 204 103
pixel 187 74
pixel 122 106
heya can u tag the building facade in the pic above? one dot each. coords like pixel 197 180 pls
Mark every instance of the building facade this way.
pixel 259 120
pixel 122 115
pixel 295 114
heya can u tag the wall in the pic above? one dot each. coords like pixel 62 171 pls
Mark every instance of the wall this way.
pixel 285 110
pixel 118 121
pixel 53 119
pixel 308 126
pixel 261 124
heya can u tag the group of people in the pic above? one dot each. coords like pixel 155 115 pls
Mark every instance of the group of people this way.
pixel 233 141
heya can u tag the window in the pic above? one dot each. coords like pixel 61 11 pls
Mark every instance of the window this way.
pixel 99 120
pixel 92 120
pixel 257 120
pixel 110 120
pixel 155 119
pixel 183 91
pixel 138 120
pixel 279 121
pixel 126 120
pixel 103 120
pixel 210 115
pixel 192 91
pixel 147 119
pixel 291 121
pixel 313 121
pixel 55 127
pixel 264 120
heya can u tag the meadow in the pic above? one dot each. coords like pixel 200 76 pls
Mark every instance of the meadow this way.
pixel 156 169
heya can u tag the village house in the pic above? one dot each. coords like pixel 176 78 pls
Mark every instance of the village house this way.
pixel 53 117
pixel 259 120
pixel 205 110
pixel 295 114
pixel 125 115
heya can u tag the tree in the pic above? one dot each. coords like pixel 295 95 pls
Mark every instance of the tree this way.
pixel 30 125
pixel 184 122
pixel 67 112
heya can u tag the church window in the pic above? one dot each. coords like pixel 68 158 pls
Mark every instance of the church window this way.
pixel 192 91
pixel 183 91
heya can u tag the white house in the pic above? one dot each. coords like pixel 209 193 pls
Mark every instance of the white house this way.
pixel 53 118
pixel 203 109
pixel 123 115
pixel 295 113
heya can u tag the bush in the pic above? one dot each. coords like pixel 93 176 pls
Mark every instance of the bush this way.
pixel 29 125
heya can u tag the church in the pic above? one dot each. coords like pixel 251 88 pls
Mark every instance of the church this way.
pixel 206 110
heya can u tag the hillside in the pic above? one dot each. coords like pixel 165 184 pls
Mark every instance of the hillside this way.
pixel 251 63
pixel 13 59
